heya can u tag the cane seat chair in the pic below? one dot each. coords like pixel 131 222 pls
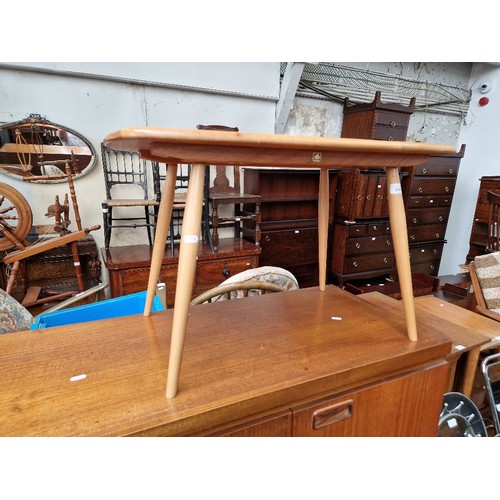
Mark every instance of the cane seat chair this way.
pixel 126 183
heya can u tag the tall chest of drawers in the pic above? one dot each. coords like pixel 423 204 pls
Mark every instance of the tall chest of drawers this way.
pixel 428 193
pixel 362 243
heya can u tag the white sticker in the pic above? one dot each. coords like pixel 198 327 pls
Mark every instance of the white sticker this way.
pixel 395 189
pixel 336 318
pixel 191 238
pixel 76 263
pixel 459 347
pixel 78 377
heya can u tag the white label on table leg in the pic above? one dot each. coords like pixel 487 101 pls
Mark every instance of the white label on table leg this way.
pixel 191 238
pixel 78 377
pixel 395 189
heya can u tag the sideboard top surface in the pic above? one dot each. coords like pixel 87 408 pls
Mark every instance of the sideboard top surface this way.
pixel 240 358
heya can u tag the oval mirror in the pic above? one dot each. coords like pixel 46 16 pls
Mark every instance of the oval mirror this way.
pixel 37 150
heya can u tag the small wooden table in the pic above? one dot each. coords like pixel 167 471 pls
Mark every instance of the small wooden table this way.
pixel 211 147
pixel 470 332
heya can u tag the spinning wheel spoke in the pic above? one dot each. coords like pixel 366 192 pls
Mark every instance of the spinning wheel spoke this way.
pixel 15 218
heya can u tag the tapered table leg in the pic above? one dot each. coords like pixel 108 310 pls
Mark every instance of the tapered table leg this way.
pixel 400 241
pixel 188 251
pixel 162 225
pixel 323 211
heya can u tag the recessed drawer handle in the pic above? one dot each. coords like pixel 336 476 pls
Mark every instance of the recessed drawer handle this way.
pixel 390 138
pixel 446 189
pixel 267 238
pixel 424 171
pixel 392 124
pixel 420 190
pixel 332 414
pixel 440 218
pixel 414 220
pixel 450 171
pixel 357 245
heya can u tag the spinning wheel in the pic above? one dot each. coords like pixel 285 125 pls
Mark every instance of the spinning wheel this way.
pixel 15 218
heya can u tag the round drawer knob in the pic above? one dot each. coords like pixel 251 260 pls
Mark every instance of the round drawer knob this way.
pixel 385 260
pixel 437 235
pixel 392 124
pixel 440 218
pixel 360 197
pixel 267 238
pixel 388 243
pixel 432 268
pixel 390 138
pixel 446 189
pixel 450 171
pixel 412 237
pixel 414 220
pixel 420 190
pixel 368 197
pixel 358 245
pixel 355 264
pixel 424 171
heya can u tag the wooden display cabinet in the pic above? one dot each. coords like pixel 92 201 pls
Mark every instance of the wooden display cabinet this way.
pixel 289 218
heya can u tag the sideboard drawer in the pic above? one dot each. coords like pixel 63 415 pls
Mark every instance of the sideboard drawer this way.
pixel 376 410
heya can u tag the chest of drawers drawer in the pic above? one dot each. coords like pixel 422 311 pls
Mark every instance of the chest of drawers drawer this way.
pixel 431 232
pixel 371 262
pixel 432 186
pixel 416 217
pixel 368 244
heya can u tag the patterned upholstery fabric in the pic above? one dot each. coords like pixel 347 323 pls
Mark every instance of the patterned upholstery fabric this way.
pixel 488 274
pixel 281 277
pixel 13 316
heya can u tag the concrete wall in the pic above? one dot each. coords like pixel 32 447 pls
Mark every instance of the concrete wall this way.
pixel 98 98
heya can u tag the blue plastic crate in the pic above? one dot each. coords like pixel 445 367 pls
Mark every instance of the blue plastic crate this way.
pixel 105 309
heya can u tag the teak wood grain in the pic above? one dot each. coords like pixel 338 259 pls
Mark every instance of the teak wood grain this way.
pixel 241 359
pixel 202 147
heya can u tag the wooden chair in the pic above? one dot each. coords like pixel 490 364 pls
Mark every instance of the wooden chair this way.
pixel 127 172
pixel 251 282
pixel 180 195
pixel 237 290
pixel 493 244
pixel 246 206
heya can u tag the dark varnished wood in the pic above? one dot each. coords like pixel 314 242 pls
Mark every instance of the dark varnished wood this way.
pixel 241 359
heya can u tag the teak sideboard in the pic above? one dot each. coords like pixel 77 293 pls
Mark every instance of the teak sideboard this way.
pixel 299 363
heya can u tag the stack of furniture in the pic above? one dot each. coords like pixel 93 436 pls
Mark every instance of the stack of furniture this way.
pixel 362 243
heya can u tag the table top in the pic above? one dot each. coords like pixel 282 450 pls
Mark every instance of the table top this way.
pixel 240 357
pixel 253 149
pixel 466 329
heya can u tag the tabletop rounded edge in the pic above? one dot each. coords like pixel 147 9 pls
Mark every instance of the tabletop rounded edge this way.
pixel 141 138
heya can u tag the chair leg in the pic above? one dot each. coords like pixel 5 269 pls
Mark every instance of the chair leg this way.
pixel 148 225
pixel 107 218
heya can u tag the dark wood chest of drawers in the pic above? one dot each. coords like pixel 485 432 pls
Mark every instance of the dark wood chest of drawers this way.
pixel 129 266
pixel 428 193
